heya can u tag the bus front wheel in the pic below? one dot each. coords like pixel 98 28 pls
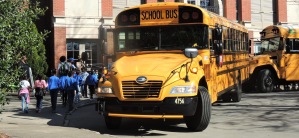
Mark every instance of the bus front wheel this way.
pixel 265 81
pixel 201 119
pixel 113 122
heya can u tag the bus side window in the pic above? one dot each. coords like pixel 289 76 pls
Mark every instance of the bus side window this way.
pixel 224 37
pixel 296 44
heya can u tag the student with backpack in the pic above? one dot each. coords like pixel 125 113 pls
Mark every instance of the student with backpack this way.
pixel 84 75
pixel 24 94
pixel 79 83
pixel 91 81
pixel 39 87
pixel 53 86
pixel 71 87
pixel 63 86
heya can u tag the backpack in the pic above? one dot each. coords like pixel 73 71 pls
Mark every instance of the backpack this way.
pixel 62 69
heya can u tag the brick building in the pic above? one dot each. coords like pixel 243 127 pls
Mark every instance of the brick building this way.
pixel 75 24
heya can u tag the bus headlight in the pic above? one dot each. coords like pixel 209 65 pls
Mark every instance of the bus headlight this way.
pixel 183 90
pixel 105 90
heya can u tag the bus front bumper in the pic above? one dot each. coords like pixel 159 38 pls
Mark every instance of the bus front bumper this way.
pixel 171 107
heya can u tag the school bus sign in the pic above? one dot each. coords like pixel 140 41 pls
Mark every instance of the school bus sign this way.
pixel 169 15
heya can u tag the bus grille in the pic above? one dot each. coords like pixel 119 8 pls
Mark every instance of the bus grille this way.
pixel 132 89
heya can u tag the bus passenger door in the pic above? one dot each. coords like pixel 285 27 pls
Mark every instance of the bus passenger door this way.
pixel 292 60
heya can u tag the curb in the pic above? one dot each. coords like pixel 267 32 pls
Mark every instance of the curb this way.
pixel 67 116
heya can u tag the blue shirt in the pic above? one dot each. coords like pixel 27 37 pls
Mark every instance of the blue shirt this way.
pixel 74 75
pixel 72 84
pixel 63 82
pixel 91 80
pixel 79 79
pixel 53 83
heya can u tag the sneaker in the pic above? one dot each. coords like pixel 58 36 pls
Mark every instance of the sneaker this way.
pixel 40 112
pixel 36 110
pixel 26 111
pixel 91 99
pixel 75 102
pixel 54 111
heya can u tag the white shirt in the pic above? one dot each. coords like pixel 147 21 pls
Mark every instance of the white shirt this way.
pixel 24 84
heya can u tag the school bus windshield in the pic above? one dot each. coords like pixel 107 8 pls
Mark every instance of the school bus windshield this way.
pixel 162 38
pixel 272 44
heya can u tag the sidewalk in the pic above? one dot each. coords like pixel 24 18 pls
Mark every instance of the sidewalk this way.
pixel 47 124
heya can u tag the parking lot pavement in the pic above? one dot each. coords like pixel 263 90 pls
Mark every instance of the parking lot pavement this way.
pixel 258 115
pixel 34 125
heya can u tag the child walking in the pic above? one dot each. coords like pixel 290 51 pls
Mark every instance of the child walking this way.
pixel 53 87
pixel 39 85
pixel 79 80
pixel 91 81
pixel 63 86
pixel 24 94
pixel 71 87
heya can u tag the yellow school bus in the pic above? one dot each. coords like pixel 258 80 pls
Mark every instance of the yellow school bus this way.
pixel 173 60
pixel 279 59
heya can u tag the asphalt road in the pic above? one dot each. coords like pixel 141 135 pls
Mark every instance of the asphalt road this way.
pixel 258 115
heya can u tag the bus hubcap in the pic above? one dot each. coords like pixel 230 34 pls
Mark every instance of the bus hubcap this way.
pixel 268 81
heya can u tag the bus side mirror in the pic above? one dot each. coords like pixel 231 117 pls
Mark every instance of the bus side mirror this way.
pixel 104 48
pixel 104 33
pixel 219 48
pixel 191 52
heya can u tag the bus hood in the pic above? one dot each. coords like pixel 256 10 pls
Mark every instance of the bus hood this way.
pixel 149 64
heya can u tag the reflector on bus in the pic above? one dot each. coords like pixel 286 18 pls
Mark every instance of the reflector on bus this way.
pixel 129 17
pixel 189 14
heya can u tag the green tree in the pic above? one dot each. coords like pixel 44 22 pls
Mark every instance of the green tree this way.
pixel 37 59
pixel 18 37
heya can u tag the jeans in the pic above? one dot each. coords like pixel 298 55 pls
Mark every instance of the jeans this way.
pixel 64 97
pixel 71 95
pixel 91 91
pixel 24 100
pixel 39 103
pixel 84 88
pixel 77 97
pixel 53 94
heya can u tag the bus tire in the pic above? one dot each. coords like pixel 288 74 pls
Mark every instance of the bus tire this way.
pixel 236 95
pixel 201 119
pixel 113 122
pixel 265 81
pixel 226 97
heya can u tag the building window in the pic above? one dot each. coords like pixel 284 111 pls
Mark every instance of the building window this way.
pixel 72 50
pixel 76 49
pixel 204 3
pixel 143 2
pixel 191 2
pixel 237 10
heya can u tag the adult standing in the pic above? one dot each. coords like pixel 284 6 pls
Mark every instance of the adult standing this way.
pixel 71 63
pixel 39 85
pixel 84 75
pixel 24 66
pixel 80 64
pixel 62 66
